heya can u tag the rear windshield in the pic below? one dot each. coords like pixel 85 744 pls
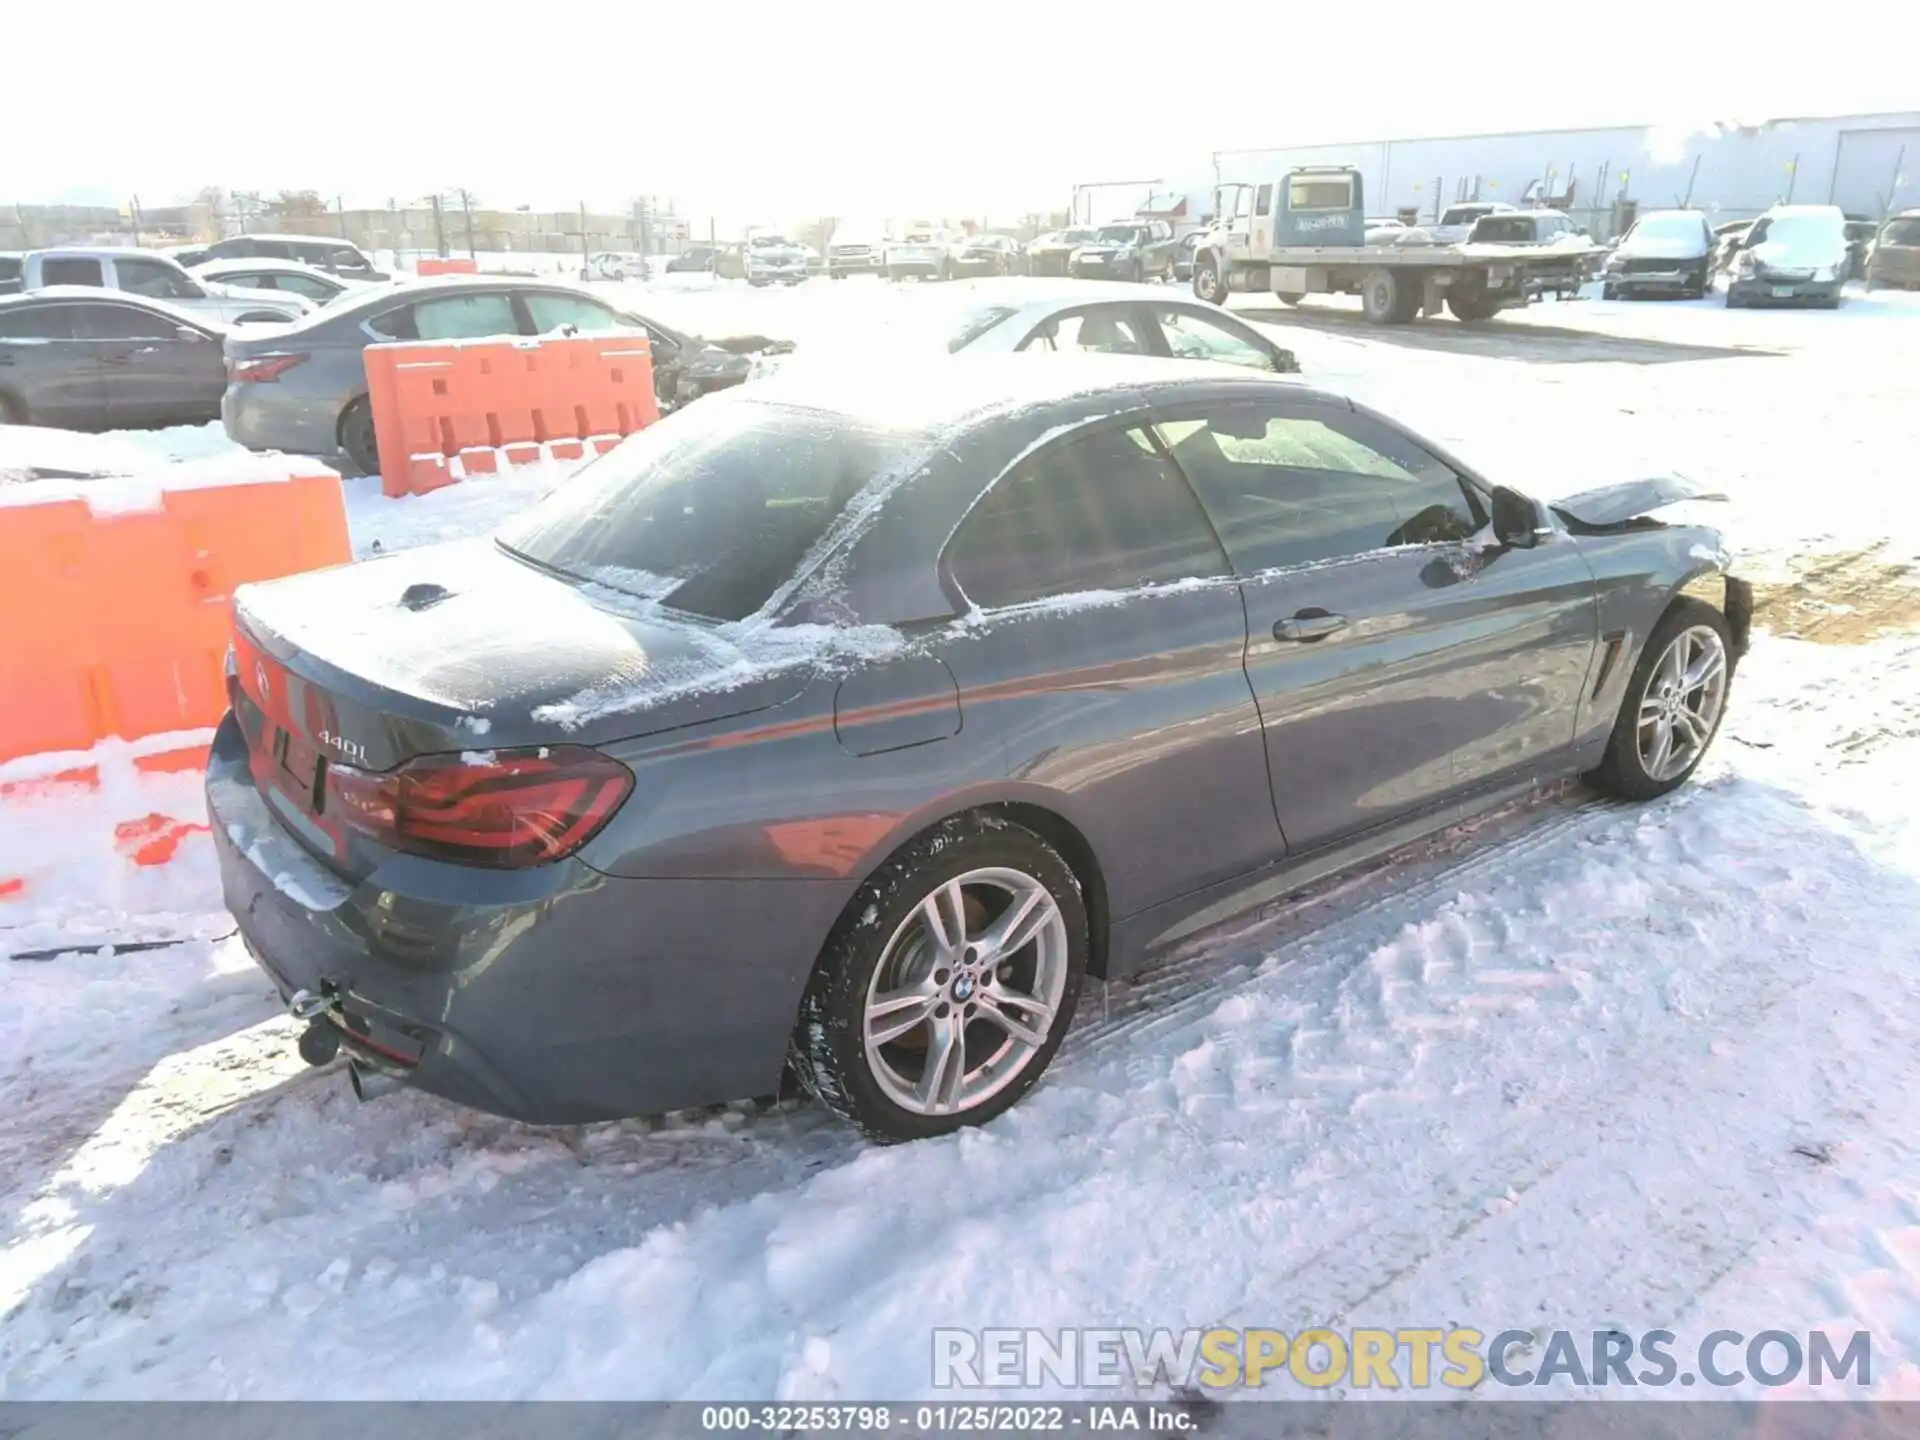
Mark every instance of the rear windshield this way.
pixel 1670 227
pixel 711 510
pixel 1898 232
pixel 1796 230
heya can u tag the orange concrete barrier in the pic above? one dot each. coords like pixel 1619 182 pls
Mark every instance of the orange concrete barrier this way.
pixel 114 621
pixel 115 613
pixel 429 265
pixel 444 410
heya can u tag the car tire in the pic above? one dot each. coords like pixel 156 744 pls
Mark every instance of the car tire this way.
pixel 13 412
pixel 886 945
pixel 357 438
pixel 1208 283
pixel 1609 291
pixel 1660 694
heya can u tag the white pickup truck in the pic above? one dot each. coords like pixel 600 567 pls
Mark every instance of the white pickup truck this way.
pixel 159 277
pixel 1307 234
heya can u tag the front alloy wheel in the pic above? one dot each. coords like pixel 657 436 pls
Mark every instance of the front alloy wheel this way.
pixel 1673 705
pixel 946 992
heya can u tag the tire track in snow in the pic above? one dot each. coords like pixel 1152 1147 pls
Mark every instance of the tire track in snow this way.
pixel 1643 1078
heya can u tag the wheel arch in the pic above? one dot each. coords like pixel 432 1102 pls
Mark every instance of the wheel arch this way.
pixel 1730 595
pixel 1035 812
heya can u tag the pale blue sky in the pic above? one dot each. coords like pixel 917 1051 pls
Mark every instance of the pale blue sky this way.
pixel 745 108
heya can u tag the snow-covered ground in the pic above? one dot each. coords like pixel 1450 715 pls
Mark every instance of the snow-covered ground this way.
pixel 1586 1066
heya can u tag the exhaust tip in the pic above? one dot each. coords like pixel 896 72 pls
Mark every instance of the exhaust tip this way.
pixel 369 1084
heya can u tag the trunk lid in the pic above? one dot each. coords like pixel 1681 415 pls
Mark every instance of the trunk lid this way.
pixel 452 642
pixel 462 648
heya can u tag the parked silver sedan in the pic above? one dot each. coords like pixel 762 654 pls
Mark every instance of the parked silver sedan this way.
pixel 303 388
pixel 1053 316
pixel 283 276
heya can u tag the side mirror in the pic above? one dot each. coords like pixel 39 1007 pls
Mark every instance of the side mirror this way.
pixel 1516 519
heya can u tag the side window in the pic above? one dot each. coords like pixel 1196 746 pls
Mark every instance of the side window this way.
pixel 253 280
pixel 150 278
pixel 1299 488
pixel 1193 336
pixel 1107 329
pixel 1101 512
pixel 549 310
pixel 314 288
pixel 395 324
pixel 37 322
pixel 464 317
pixel 70 271
pixel 1262 200
pixel 272 249
pixel 122 322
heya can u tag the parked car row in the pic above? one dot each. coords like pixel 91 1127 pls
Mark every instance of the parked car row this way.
pixel 154 276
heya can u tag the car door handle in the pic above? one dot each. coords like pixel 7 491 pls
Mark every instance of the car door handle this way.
pixel 1308 625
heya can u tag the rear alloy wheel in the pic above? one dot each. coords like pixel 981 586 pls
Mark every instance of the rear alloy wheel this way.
pixel 944 994
pixel 1673 705
pixel 357 437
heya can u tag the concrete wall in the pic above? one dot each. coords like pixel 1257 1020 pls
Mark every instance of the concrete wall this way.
pixel 1847 160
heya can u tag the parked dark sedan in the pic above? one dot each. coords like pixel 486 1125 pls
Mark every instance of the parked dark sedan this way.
pixel 1183 257
pixel 303 388
pixel 696 259
pixel 1051 253
pixel 986 255
pixel 86 359
pixel 1666 252
pixel 850 719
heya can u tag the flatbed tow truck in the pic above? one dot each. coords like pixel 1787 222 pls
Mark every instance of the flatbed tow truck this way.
pixel 1306 234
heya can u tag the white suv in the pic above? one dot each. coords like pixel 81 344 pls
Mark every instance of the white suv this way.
pixel 144 272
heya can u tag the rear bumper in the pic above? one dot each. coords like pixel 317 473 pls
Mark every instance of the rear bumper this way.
pixel 1688 276
pixel 1754 290
pixel 273 417
pixel 1891 275
pixel 555 995
pixel 856 264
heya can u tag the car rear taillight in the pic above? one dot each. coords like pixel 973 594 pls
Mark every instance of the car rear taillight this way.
pixel 266 367
pixel 503 809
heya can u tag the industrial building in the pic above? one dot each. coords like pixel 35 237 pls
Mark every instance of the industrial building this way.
pixel 1869 165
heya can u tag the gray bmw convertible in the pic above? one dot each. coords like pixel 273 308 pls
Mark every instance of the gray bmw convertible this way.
pixel 844 723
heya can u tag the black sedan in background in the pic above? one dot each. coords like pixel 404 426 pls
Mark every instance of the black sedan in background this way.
pixel 1050 254
pixel 850 720
pixel 87 359
pixel 986 255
